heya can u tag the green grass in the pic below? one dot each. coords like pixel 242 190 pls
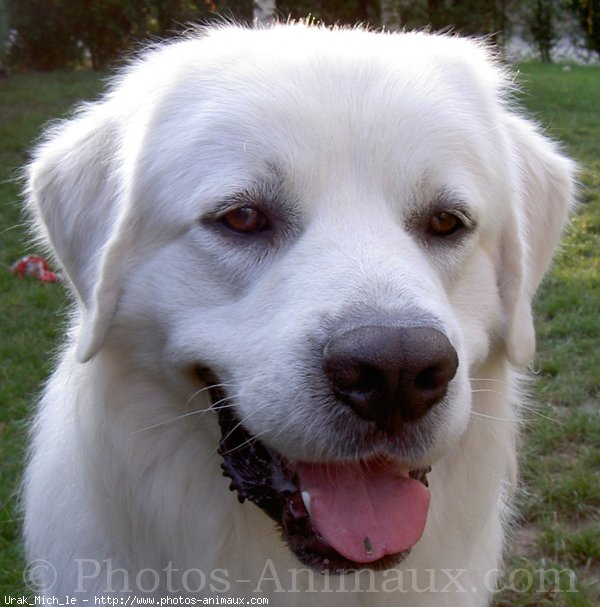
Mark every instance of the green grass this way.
pixel 29 324
pixel 561 456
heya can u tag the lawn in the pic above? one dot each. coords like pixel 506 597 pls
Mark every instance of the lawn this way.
pixel 29 323
pixel 560 503
pixel 560 506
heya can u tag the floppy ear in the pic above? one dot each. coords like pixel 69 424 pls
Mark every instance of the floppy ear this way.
pixel 77 197
pixel 544 196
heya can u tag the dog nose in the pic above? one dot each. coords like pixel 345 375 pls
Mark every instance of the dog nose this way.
pixel 390 375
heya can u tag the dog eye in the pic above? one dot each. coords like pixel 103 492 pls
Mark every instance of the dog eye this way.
pixel 444 224
pixel 245 220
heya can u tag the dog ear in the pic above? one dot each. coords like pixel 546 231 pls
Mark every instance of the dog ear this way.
pixel 77 197
pixel 545 196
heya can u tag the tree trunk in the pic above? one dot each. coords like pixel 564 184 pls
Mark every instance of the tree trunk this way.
pixel 390 15
pixel 264 11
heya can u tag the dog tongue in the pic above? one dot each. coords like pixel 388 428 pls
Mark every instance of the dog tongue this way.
pixel 364 513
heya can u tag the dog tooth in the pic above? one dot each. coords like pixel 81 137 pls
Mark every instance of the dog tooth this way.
pixel 306 500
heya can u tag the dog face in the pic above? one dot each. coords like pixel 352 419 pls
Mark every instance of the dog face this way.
pixel 328 231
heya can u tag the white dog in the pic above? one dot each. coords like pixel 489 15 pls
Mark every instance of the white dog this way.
pixel 303 261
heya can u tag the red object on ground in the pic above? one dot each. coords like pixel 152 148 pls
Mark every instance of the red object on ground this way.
pixel 33 265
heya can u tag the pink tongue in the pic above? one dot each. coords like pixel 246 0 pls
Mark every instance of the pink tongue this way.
pixel 364 514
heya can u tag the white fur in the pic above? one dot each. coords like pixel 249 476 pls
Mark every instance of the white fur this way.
pixel 365 130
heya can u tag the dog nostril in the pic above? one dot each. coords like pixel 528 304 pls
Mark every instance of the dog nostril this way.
pixel 354 384
pixel 430 379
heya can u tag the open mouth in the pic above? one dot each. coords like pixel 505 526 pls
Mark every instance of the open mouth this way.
pixel 334 516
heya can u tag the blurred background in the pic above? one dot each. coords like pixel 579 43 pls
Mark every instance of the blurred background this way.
pixel 58 34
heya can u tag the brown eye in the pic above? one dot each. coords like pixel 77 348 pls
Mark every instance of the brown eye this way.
pixel 444 224
pixel 245 220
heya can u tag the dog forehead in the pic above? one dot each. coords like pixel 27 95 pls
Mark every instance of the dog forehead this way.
pixel 322 80
pixel 323 106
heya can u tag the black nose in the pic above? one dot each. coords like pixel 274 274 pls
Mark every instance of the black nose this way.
pixel 390 375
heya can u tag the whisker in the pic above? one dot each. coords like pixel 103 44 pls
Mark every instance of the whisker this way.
pixel 289 421
pixel 246 442
pixel 169 421
pixel 534 412
pixel 498 419
pixel 159 424
pixel 241 421
pixel 217 406
pixel 498 381
pixel 205 389
pixel 514 421
pixel 214 407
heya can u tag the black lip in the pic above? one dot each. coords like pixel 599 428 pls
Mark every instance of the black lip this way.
pixel 261 475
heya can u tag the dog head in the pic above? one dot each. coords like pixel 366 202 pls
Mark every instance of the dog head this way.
pixel 331 230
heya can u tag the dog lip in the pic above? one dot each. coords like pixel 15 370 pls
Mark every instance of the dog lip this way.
pixel 263 476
